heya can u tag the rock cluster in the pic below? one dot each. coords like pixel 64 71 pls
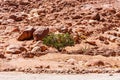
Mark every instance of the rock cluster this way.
pixel 36 34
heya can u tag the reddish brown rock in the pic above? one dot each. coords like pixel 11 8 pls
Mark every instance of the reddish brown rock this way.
pixel 16 18
pixel 40 33
pixel 96 16
pixel 24 2
pixel 2 55
pixel 43 48
pixel 118 14
pixel 26 34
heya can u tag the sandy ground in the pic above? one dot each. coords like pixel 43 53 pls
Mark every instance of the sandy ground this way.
pixel 63 63
pixel 22 76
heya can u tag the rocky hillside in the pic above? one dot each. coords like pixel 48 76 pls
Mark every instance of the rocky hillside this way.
pixel 94 26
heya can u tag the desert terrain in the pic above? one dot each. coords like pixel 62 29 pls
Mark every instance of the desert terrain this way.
pixel 94 26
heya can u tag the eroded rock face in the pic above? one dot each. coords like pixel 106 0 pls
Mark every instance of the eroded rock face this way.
pixel 40 33
pixel 15 49
pixel 26 34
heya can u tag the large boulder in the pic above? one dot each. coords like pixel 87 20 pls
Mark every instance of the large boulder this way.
pixel 40 33
pixel 26 34
pixel 15 49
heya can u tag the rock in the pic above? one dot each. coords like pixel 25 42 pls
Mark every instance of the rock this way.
pixel 10 29
pixel 71 61
pixel 109 52
pixel 40 33
pixel 15 29
pixel 24 2
pixel 28 55
pixel 47 66
pixel 96 16
pixel 63 30
pixel 43 48
pixel 26 34
pixel 91 43
pixel 15 49
pixel 33 14
pixel 118 14
pixel 95 62
pixel 102 38
pixel 92 22
pixel 18 16
pixel 112 38
pixel 2 55
pixel 10 20
pixel 38 49
pixel 52 50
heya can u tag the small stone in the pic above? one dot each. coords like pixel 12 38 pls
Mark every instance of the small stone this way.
pixel 110 74
pixel 96 16
pixel 102 38
pixel 16 29
pixel 95 62
pixel 48 66
pixel 43 48
pixel 92 22
pixel 2 55
pixel 28 55
pixel 118 14
pixel 11 29
pixel 15 49
pixel 52 50
pixel 16 18
pixel 36 49
pixel 63 30
pixel 91 43
pixel 71 61
pixel 24 2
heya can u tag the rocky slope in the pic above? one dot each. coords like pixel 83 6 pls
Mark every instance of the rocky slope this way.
pixel 94 26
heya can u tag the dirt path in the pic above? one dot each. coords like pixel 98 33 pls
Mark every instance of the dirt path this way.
pixel 22 76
